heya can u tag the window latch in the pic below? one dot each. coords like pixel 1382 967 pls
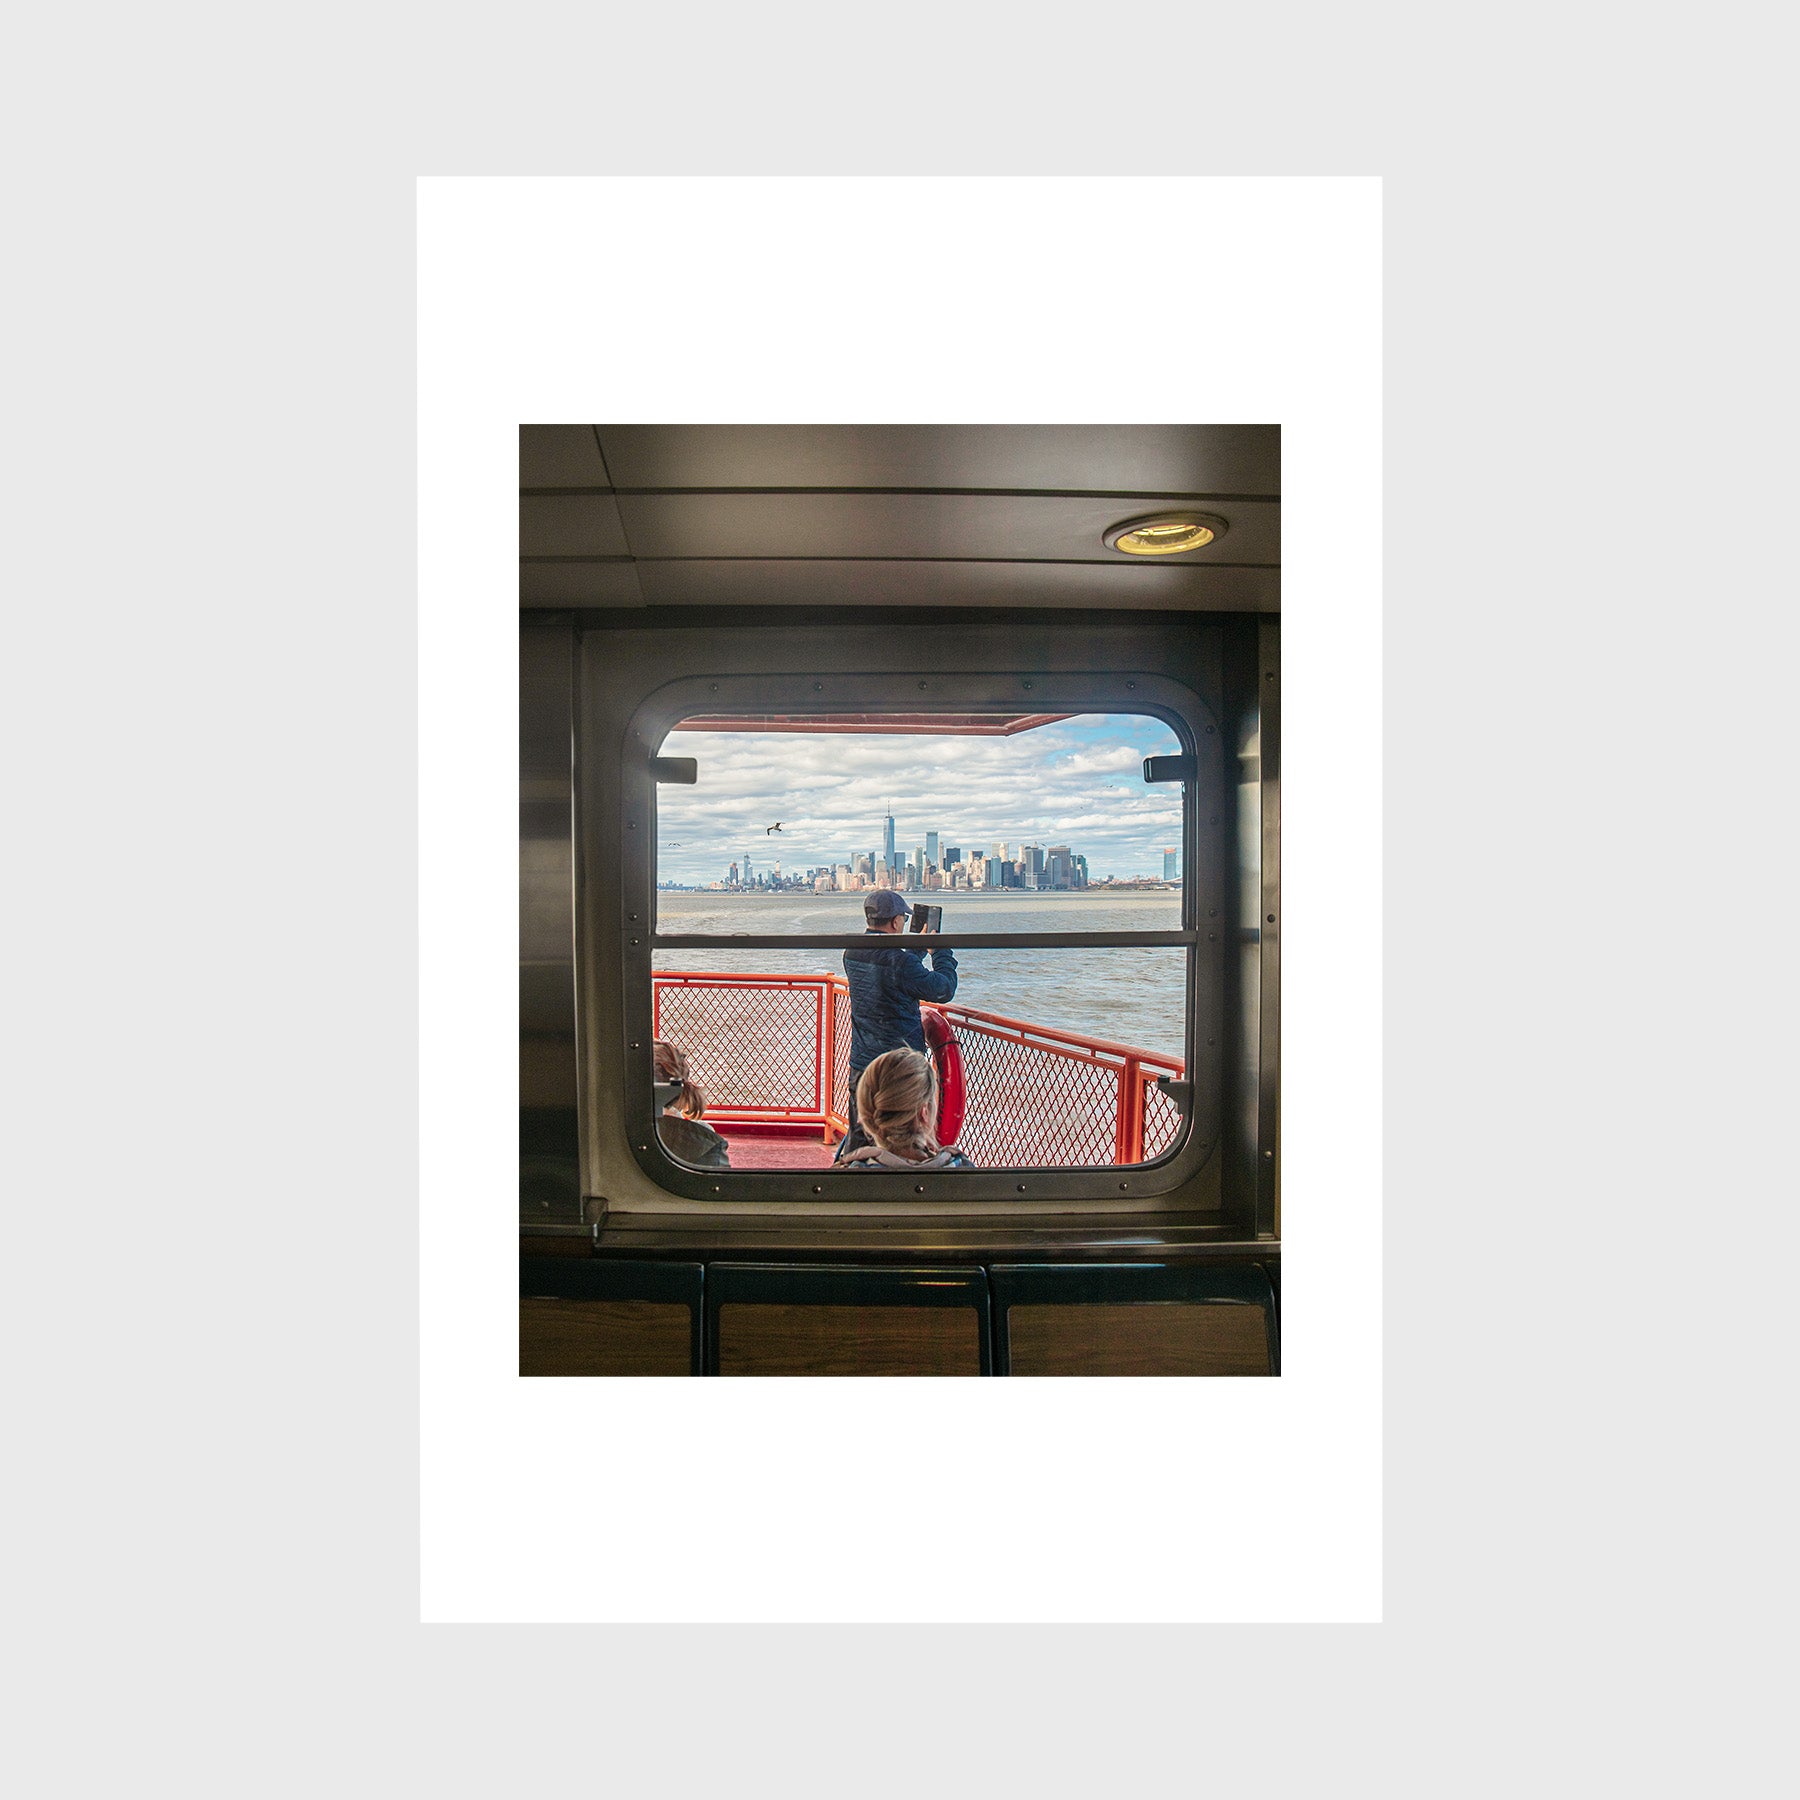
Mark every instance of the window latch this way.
pixel 1181 1093
pixel 1170 768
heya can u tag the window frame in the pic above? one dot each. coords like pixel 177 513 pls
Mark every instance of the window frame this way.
pixel 1189 1171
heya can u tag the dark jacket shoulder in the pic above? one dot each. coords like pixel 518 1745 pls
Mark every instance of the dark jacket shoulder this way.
pixel 887 981
pixel 691 1142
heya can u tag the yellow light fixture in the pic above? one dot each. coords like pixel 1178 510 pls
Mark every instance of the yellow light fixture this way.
pixel 1165 534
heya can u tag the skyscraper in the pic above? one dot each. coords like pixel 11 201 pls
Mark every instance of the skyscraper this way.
pixel 931 846
pixel 887 840
pixel 1171 865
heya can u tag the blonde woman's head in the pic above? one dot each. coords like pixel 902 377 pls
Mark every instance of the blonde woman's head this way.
pixel 672 1065
pixel 897 1102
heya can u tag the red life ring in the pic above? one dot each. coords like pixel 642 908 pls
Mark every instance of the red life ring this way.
pixel 946 1059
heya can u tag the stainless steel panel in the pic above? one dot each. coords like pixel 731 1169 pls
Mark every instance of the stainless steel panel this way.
pixel 547 1065
pixel 975 527
pixel 560 456
pixel 546 904
pixel 546 735
pixel 1149 586
pixel 1154 459
pixel 1268 1190
pixel 570 525
pixel 560 584
pixel 547 1002
pixel 1247 1015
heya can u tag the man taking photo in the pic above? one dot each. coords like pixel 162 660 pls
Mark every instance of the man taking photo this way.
pixel 887 982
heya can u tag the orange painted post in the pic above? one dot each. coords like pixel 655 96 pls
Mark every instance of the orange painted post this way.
pixel 1130 1146
pixel 1119 1122
pixel 828 1061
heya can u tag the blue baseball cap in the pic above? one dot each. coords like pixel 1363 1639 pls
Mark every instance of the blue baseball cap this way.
pixel 884 903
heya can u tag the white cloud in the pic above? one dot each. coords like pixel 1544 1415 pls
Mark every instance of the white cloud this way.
pixel 1097 761
pixel 1069 783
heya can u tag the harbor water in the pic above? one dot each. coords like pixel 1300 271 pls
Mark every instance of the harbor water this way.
pixel 1130 996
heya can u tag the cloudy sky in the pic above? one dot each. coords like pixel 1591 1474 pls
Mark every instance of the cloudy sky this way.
pixel 1079 783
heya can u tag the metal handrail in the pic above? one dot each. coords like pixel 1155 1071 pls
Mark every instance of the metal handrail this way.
pixel 1103 1046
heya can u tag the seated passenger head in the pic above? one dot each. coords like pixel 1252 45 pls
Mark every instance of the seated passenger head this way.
pixel 897 1102
pixel 672 1065
pixel 884 910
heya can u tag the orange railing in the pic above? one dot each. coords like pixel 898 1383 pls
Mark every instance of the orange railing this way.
pixel 772 1053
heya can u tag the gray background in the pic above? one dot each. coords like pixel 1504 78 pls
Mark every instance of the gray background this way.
pixel 214 1413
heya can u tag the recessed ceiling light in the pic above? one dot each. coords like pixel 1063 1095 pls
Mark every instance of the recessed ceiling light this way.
pixel 1164 534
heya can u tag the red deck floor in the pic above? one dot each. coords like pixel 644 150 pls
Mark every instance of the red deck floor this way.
pixel 757 1150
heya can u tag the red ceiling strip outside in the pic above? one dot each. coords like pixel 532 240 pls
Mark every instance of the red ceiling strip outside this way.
pixel 884 724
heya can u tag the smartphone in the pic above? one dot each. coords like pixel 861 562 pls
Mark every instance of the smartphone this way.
pixel 927 918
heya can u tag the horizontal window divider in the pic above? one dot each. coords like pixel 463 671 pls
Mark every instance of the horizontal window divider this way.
pixel 950 940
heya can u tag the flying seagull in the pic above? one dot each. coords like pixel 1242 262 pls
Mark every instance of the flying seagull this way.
pixel 775 827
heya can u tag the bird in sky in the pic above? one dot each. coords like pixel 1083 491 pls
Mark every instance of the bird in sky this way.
pixel 775 827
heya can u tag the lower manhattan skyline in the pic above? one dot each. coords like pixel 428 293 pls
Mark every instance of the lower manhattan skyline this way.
pixel 1031 867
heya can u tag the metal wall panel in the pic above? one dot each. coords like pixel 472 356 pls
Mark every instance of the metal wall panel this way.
pixel 1176 587
pixel 1016 528
pixel 578 583
pixel 550 1190
pixel 560 456
pixel 570 525
pixel 1268 1057
pixel 1152 459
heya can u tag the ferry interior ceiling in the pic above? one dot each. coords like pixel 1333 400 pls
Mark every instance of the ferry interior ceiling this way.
pixel 789 693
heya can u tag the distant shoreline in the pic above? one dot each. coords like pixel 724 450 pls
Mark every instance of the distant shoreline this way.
pixel 932 896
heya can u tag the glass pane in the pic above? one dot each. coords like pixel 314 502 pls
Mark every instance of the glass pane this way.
pixel 1033 824
pixel 1060 1050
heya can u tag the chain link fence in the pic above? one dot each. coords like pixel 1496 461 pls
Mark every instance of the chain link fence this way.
pixel 753 1042
pixel 1046 1099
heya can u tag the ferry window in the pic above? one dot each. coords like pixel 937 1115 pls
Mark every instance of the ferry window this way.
pixel 1072 1044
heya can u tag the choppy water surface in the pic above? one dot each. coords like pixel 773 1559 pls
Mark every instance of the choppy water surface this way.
pixel 1126 996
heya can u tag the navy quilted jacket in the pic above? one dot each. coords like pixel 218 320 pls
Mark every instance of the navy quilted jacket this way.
pixel 887 982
